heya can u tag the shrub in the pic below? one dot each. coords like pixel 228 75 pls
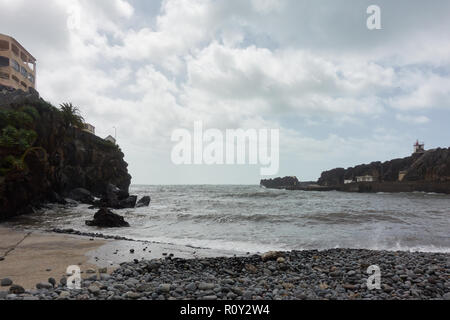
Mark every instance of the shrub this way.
pixel 20 119
pixel 31 111
pixel 12 138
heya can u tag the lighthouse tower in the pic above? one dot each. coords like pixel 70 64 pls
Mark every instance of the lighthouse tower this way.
pixel 419 147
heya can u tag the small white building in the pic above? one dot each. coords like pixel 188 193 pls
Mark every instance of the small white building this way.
pixel 111 139
pixel 348 181
pixel 365 179
pixel 89 128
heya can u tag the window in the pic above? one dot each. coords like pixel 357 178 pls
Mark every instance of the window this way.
pixel 15 65
pixel 24 57
pixel 23 84
pixel 15 78
pixel 4 45
pixel 23 72
pixel 31 78
pixel 4 75
pixel 14 49
pixel 4 61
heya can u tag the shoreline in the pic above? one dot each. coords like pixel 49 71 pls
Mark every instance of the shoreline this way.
pixel 155 271
pixel 33 256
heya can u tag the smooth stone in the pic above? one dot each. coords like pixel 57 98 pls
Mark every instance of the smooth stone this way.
pixel 132 295
pixel 164 288
pixel 94 289
pixel 281 260
pixel 6 282
pixel 191 287
pixel 206 286
pixel 52 281
pixel 43 285
pixel 16 289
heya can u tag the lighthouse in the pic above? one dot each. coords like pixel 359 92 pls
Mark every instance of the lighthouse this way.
pixel 419 147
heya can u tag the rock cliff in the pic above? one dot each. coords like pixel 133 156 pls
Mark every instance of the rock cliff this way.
pixel 431 166
pixel 280 183
pixel 42 159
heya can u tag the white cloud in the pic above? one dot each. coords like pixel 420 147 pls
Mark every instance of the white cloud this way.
pixel 412 119
pixel 267 6
pixel 424 91
pixel 258 64
pixel 124 8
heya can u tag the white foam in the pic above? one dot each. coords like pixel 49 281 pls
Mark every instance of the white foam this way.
pixel 236 246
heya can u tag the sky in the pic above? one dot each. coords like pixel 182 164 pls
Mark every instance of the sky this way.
pixel 339 94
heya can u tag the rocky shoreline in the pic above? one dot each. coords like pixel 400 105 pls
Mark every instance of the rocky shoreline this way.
pixel 338 274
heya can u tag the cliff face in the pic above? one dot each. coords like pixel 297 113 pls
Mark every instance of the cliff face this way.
pixel 280 183
pixel 43 159
pixel 432 166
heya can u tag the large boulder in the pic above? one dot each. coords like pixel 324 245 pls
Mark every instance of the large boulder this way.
pixel 54 197
pixel 114 203
pixel 116 198
pixel 107 219
pixel 113 191
pixel 144 202
pixel 81 195
pixel 127 203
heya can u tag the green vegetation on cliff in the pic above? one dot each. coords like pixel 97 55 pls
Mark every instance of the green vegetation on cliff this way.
pixel 45 154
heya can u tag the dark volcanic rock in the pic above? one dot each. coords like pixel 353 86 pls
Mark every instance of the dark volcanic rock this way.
pixel 431 166
pixel 116 198
pixel 16 289
pixel 53 197
pixel 144 202
pixel 127 203
pixel 81 195
pixel 68 158
pixel 337 274
pixel 115 193
pixel 107 219
pixel 280 183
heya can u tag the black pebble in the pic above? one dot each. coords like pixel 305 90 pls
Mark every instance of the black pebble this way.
pixel 52 281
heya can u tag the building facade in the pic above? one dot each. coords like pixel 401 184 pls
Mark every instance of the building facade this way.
pixel 111 139
pixel 365 179
pixel 89 128
pixel 17 65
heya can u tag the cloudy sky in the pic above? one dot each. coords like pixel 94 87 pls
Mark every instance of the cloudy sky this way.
pixel 339 93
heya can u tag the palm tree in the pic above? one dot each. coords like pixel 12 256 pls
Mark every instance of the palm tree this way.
pixel 72 116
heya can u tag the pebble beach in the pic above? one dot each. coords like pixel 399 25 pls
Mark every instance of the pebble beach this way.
pixel 173 273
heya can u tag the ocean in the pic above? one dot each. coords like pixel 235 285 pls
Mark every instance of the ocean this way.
pixel 253 219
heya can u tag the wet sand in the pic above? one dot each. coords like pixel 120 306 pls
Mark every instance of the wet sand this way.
pixel 32 257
